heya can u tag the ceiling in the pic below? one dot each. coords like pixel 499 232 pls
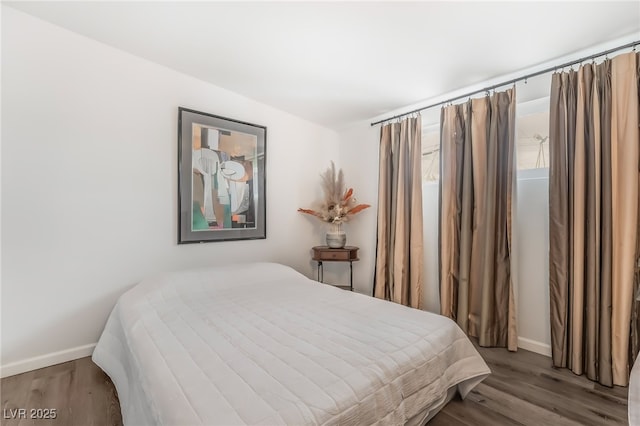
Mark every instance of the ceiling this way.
pixel 334 63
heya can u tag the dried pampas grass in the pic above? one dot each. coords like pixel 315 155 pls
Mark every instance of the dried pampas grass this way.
pixel 338 205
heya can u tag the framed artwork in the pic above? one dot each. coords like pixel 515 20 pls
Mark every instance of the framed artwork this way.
pixel 221 178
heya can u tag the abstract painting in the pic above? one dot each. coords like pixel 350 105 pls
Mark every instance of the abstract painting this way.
pixel 221 178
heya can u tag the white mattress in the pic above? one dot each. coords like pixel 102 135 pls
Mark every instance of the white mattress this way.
pixel 262 344
pixel 634 394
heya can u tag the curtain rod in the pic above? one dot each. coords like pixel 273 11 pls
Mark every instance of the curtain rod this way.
pixel 514 80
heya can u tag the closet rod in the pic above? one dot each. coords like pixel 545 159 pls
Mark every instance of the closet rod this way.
pixel 524 77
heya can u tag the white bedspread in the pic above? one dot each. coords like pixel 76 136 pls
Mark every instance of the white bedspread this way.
pixel 634 394
pixel 262 344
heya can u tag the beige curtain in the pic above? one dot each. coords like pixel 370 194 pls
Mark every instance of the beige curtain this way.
pixel 399 251
pixel 593 218
pixel 635 310
pixel 476 178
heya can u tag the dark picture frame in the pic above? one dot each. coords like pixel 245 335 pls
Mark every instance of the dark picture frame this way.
pixel 221 178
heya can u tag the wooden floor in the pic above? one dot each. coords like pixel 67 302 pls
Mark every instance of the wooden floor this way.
pixel 523 389
pixel 79 391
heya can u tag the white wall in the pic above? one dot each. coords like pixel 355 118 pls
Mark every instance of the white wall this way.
pixel 532 277
pixel 531 247
pixel 359 161
pixel 89 185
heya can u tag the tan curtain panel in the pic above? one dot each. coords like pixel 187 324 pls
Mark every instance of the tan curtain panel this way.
pixel 399 251
pixel 593 218
pixel 476 183
pixel 635 310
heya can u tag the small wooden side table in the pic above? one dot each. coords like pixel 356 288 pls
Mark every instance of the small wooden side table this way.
pixel 327 254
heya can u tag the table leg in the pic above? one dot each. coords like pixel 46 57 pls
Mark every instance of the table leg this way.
pixel 351 275
pixel 320 271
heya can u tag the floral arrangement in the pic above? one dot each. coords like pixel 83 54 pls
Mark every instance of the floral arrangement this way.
pixel 338 205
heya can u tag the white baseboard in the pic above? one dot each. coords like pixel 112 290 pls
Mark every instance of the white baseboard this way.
pixel 46 360
pixel 53 358
pixel 534 346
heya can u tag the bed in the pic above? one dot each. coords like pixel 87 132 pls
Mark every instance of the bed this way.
pixel 262 344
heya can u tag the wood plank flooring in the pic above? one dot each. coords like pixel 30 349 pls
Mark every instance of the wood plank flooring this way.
pixel 79 391
pixel 523 389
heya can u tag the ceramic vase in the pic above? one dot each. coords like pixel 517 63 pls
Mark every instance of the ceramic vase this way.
pixel 336 237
